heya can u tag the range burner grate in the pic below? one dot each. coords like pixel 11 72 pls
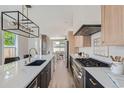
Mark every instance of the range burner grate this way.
pixel 91 62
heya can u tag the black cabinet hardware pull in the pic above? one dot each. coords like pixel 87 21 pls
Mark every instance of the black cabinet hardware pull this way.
pixel 92 82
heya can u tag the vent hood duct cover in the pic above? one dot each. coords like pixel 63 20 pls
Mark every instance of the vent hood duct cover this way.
pixel 87 30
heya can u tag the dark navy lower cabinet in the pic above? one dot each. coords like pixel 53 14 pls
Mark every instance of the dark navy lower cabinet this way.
pixel 91 82
pixel 42 80
pixel 46 76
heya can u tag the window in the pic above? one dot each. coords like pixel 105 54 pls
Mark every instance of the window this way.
pixel 58 46
pixel 9 45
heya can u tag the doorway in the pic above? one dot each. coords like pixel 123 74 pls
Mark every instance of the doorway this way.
pixel 59 49
pixel 62 78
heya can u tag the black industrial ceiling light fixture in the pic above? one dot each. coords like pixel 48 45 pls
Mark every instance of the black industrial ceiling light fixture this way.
pixel 17 23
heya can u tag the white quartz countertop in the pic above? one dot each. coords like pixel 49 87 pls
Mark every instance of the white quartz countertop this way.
pixel 17 75
pixel 105 77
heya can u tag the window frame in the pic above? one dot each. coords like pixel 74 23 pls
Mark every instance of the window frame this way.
pixel 15 46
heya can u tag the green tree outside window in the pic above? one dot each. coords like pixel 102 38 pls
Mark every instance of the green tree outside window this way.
pixel 9 39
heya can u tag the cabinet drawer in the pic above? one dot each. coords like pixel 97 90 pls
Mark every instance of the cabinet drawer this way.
pixel 91 82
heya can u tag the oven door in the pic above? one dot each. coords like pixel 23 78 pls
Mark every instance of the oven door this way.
pixel 78 77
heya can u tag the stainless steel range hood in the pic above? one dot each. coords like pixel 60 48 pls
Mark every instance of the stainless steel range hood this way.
pixel 87 30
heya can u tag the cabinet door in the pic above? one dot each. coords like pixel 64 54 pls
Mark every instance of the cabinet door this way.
pixel 48 73
pixel 42 80
pixel 78 41
pixel 86 41
pixel 38 81
pixel 46 77
pixel 91 82
pixel 35 83
pixel 123 23
pixel 112 32
pixel 71 40
pixel 82 41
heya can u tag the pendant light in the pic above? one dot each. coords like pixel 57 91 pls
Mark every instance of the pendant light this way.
pixel 17 23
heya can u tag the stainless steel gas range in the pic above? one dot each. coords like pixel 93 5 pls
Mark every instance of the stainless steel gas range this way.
pixel 77 68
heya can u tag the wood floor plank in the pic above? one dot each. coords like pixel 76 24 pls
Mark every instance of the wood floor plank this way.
pixel 61 77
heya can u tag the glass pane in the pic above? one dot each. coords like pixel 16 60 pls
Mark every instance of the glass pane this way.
pixel 9 52
pixel 58 49
pixel 9 39
pixel 9 44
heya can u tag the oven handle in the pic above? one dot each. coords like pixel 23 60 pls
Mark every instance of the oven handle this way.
pixel 80 73
pixel 79 76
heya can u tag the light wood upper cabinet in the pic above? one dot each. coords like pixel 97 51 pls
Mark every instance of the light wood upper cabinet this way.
pixel 71 42
pixel 75 42
pixel 112 25
pixel 78 41
pixel 82 41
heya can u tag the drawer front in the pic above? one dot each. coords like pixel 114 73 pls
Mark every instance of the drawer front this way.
pixel 91 82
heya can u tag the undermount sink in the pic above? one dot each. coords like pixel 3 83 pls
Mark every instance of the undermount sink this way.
pixel 36 63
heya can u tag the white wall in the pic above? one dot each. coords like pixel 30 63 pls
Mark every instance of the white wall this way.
pixel 113 50
pixel 22 46
pixel 86 14
pixel 1 47
pixel 35 43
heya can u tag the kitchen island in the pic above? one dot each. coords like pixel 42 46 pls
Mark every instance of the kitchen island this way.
pixel 18 75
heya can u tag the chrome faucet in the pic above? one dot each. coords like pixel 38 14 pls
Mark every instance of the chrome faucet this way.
pixel 30 53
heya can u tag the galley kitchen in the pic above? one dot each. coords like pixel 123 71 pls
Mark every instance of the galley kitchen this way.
pixel 61 46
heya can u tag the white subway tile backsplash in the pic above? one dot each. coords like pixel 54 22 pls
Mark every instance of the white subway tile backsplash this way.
pixel 113 50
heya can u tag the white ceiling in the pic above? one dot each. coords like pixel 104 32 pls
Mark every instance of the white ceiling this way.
pixel 53 20
pixel 57 20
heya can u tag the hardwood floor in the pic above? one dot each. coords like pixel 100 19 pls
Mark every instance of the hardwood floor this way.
pixel 61 77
